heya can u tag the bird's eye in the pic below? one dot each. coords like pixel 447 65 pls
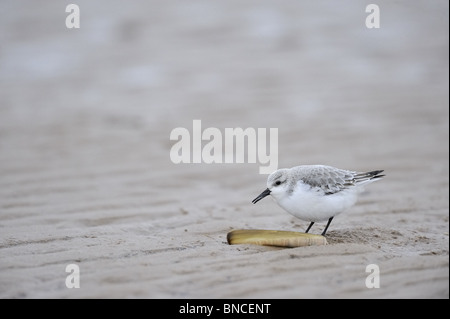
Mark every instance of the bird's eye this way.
pixel 277 183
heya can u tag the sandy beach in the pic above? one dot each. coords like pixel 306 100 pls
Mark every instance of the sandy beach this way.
pixel 86 176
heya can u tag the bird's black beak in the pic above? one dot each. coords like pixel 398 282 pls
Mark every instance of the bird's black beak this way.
pixel 261 196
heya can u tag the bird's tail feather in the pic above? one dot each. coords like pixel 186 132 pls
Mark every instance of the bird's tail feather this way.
pixel 368 177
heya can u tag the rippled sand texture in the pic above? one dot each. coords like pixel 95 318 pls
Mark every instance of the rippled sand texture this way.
pixel 85 172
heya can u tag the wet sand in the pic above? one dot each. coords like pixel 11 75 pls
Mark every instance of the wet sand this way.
pixel 86 175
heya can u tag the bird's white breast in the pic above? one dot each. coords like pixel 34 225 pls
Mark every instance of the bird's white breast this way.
pixel 311 204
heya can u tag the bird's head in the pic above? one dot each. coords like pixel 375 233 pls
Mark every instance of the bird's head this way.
pixel 277 185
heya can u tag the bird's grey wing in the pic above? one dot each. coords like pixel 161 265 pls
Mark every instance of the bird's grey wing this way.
pixel 328 179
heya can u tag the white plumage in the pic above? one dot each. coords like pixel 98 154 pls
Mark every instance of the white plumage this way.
pixel 316 192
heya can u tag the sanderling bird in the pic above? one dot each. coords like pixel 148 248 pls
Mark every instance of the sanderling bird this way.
pixel 316 193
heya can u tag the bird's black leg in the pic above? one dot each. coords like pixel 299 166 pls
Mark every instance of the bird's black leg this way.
pixel 326 228
pixel 309 227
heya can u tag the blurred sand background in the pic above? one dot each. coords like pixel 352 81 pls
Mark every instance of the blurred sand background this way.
pixel 85 172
